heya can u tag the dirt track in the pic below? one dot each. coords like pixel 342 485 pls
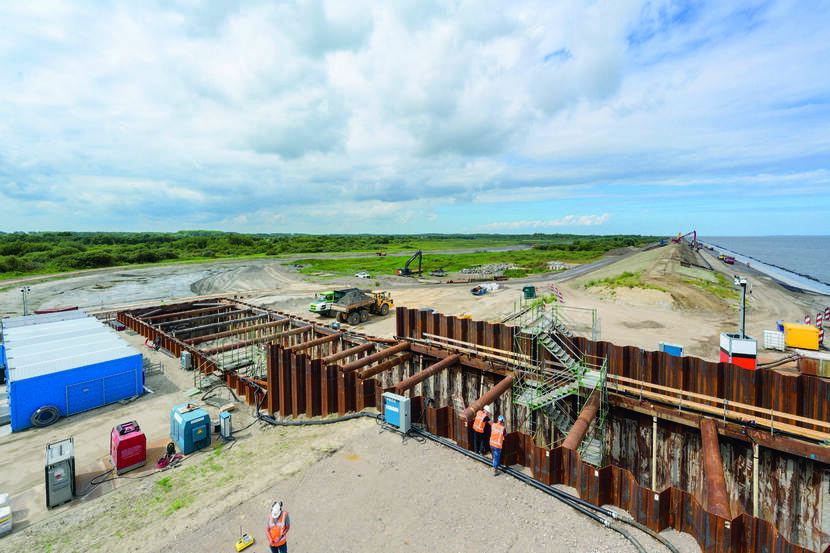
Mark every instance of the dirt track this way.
pixel 412 496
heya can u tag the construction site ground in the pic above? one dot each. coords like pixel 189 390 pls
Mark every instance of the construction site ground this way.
pixel 349 486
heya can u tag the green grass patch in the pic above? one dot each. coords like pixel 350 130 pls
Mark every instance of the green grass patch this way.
pixel 624 280
pixel 723 288
pixel 165 484
pixel 179 503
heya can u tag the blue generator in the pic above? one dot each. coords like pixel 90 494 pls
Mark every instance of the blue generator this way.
pixel 189 427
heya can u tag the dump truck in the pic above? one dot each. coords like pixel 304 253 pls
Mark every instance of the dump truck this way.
pixel 324 300
pixel 352 305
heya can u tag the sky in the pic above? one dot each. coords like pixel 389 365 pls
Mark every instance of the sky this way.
pixel 596 117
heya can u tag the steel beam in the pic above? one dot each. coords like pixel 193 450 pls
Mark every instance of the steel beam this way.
pixel 583 421
pixel 717 498
pixel 466 360
pixel 385 366
pixel 292 332
pixel 313 343
pixel 334 357
pixel 489 397
pixel 237 345
pixel 218 313
pixel 179 333
pixel 417 378
pixel 169 314
pixel 368 360
pixel 234 332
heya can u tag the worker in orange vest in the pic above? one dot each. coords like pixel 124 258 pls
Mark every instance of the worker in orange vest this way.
pixel 496 442
pixel 278 526
pixel 479 426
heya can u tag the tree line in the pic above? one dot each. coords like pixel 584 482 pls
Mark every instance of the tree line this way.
pixel 23 253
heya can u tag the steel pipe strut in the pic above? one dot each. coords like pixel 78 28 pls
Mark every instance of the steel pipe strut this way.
pixel 202 318
pixel 191 330
pixel 234 332
pixel 417 378
pixel 293 331
pixel 489 397
pixel 334 357
pixel 313 343
pixel 583 421
pixel 717 499
pixel 368 360
pixel 165 314
pixel 385 366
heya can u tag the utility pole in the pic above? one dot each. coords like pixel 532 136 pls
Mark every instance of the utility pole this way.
pixel 25 291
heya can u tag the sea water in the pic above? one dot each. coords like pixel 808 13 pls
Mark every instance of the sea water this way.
pixel 804 259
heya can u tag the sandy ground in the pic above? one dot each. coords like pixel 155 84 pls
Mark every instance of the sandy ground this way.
pixel 348 486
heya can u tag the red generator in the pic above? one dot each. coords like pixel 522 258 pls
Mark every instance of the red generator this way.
pixel 128 447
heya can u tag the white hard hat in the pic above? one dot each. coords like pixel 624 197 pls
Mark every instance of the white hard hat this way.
pixel 487 409
pixel 276 509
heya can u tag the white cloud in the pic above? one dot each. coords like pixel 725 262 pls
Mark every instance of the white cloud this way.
pixel 535 226
pixel 200 113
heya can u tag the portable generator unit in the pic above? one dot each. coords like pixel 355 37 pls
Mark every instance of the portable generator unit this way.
pixel 397 411
pixel 128 447
pixel 60 472
pixel 189 427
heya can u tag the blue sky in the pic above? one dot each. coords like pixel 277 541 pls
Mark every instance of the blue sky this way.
pixel 416 116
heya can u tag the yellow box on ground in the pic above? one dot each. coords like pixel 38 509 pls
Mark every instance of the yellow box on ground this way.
pixel 798 335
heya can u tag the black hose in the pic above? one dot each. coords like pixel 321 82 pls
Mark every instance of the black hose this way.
pixel 216 385
pixel 271 420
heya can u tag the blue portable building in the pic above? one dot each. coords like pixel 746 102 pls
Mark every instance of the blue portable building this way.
pixel 69 360
pixel 189 427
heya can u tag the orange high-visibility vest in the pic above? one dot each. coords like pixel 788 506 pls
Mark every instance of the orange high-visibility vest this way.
pixel 478 425
pixel 276 529
pixel 496 435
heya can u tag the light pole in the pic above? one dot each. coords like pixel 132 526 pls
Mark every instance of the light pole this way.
pixel 25 291
pixel 741 281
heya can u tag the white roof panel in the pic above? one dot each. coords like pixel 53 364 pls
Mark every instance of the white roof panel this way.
pixel 44 318
pixel 60 344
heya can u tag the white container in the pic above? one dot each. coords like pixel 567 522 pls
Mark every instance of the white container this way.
pixel 774 340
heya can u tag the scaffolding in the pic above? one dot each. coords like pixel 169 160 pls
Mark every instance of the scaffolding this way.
pixel 558 387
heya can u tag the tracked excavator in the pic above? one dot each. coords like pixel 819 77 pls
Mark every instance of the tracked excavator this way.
pixel 406 271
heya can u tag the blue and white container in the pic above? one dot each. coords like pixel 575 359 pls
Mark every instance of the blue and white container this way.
pixel 69 361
